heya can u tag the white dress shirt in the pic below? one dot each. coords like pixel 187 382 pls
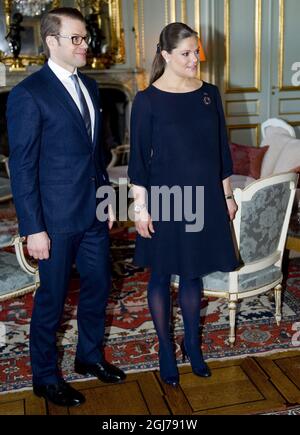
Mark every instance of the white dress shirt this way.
pixel 65 77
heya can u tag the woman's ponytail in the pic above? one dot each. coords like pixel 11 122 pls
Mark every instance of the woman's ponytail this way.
pixel 158 67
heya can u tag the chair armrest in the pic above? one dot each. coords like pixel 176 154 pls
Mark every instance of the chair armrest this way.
pixel 114 158
pixel 120 150
pixel 17 242
pixel 4 160
pixel 277 123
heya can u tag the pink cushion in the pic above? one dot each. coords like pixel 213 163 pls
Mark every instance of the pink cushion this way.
pixel 247 160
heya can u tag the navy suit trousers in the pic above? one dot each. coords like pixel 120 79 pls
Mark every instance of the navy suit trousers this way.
pixel 90 251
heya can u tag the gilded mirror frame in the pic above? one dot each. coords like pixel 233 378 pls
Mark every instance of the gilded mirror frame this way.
pixel 116 52
pixel 25 59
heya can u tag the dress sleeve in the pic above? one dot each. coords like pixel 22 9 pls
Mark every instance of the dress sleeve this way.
pixel 226 159
pixel 140 140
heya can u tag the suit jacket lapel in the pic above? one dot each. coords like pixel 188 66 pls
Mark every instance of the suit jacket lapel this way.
pixel 66 101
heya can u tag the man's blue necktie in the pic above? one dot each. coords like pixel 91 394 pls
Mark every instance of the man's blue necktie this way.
pixel 83 105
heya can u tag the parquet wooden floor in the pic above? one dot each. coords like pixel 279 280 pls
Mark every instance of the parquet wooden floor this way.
pixel 241 386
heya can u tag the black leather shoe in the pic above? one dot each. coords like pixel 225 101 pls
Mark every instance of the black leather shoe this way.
pixel 61 394
pixel 104 371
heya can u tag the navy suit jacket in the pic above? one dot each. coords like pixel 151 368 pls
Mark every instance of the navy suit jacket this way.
pixel 55 167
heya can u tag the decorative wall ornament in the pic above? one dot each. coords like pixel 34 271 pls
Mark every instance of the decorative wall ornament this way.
pixel 104 17
pixel 30 53
pixel 105 24
pixel 31 8
pixel 14 41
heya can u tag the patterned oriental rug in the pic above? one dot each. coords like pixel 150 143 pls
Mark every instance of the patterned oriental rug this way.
pixel 293 410
pixel 130 338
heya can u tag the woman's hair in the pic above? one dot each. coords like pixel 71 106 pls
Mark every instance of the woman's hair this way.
pixel 169 39
pixel 51 23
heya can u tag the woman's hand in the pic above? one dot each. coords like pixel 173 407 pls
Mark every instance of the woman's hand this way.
pixel 111 217
pixel 143 223
pixel 232 208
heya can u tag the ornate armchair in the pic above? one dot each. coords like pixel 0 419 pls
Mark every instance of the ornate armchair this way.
pixel 282 154
pixel 117 168
pixel 17 276
pixel 5 189
pixel 261 224
pixel 120 156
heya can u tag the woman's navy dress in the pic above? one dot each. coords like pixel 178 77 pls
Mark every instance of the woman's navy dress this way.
pixel 179 139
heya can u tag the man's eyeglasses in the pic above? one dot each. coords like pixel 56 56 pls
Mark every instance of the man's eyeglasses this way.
pixel 76 39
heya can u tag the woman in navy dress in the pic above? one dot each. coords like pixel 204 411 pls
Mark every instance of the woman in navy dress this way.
pixel 179 141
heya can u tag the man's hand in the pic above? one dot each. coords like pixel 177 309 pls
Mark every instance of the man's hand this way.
pixel 38 245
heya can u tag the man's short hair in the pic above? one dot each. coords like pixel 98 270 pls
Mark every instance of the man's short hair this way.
pixel 51 23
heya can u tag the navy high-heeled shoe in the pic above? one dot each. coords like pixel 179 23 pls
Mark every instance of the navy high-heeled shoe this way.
pixel 201 369
pixel 172 380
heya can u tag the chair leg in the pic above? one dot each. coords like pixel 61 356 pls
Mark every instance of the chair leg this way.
pixel 277 294
pixel 271 296
pixel 232 313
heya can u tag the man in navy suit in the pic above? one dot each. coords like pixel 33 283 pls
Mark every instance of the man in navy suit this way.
pixel 54 122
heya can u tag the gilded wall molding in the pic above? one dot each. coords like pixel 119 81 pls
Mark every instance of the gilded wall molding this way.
pixel 166 12
pixel 197 13
pixel 245 127
pixel 117 34
pixel 183 11
pixel 258 53
pixel 172 11
pixel 143 32
pixel 257 67
pixel 118 39
pixel 280 112
pixel 139 26
pixel 256 113
pixel 281 44
pixel 281 57
pixel 137 33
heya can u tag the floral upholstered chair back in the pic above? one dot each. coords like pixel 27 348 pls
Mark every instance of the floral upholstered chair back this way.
pixel 260 230
pixel 262 220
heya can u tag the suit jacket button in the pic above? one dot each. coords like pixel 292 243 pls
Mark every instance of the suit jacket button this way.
pixel 93 178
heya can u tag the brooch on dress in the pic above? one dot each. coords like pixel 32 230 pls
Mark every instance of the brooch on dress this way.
pixel 206 99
